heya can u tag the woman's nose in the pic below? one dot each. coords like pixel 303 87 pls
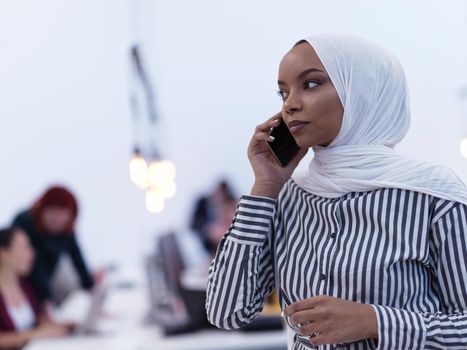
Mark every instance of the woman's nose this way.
pixel 292 104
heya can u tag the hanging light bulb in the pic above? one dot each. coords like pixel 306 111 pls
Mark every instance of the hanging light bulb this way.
pixel 139 171
pixel 169 168
pixel 156 174
pixel 463 147
pixel 169 188
pixel 154 201
pixel 161 175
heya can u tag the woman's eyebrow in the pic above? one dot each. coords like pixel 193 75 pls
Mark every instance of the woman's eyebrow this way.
pixel 305 72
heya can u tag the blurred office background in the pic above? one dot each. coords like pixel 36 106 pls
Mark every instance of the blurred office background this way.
pixel 64 92
pixel 65 85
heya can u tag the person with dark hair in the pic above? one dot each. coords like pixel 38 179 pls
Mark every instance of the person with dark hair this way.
pixel 22 317
pixel 367 249
pixel 50 225
pixel 209 214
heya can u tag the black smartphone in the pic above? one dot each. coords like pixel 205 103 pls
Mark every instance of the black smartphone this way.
pixel 283 147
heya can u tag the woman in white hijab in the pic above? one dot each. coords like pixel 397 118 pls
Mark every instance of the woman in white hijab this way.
pixel 368 249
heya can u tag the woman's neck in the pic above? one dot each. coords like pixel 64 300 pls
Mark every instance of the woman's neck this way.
pixel 10 287
pixel 8 278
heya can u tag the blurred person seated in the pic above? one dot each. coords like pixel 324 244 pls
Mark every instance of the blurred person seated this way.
pixel 208 212
pixel 22 318
pixel 218 227
pixel 50 226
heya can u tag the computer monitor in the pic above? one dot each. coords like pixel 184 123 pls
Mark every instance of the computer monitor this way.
pixel 176 308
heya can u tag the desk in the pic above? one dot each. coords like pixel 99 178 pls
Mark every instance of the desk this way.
pixel 123 329
pixel 205 340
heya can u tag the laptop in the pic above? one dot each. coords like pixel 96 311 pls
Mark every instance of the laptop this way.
pixel 174 308
pixel 84 308
pixel 91 320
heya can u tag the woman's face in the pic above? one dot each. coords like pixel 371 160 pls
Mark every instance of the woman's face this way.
pixel 311 107
pixel 19 256
pixel 55 219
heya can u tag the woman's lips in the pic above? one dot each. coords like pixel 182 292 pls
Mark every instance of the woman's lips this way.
pixel 295 126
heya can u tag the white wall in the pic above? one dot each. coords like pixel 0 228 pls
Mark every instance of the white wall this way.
pixel 64 95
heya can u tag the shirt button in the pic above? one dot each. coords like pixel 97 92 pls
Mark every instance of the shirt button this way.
pixel 333 235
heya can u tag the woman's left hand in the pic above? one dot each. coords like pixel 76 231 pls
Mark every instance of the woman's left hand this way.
pixel 329 320
pixel 99 275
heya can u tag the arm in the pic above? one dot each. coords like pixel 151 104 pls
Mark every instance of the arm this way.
pixel 45 328
pixel 241 275
pixel 78 261
pixel 40 279
pixel 446 329
pixel 14 340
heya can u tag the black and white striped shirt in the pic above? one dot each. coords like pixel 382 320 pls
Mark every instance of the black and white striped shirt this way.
pixel 401 251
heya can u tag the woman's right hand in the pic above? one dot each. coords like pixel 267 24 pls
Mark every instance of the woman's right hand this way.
pixel 51 330
pixel 270 176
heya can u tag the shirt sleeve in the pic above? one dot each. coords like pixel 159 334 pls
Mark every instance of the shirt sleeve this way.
pixel 446 329
pixel 39 279
pixel 87 281
pixel 241 274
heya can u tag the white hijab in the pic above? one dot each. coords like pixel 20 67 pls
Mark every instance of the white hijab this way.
pixel 372 88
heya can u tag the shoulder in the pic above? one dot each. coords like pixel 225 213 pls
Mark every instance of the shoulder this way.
pixel 450 192
pixel 441 172
pixel 292 190
pixel 432 206
pixel 418 201
pixel 23 217
pixel 25 221
pixel 443 207
pixel 443 182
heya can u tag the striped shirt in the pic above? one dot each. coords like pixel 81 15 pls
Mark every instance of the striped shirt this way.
pixel 403 252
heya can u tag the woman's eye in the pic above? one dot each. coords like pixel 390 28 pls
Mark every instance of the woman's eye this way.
pixel 282 94
pixel 311 84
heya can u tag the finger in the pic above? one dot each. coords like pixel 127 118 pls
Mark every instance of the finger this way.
pixel 271 123
pixel 321 339
pixel 302 317
pixel 300 305
pixel 310 329
pixel 306 304
pixel 278 116
pixel 263 136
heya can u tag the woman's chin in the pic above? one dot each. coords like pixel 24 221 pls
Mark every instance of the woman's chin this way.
pixel 303 143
